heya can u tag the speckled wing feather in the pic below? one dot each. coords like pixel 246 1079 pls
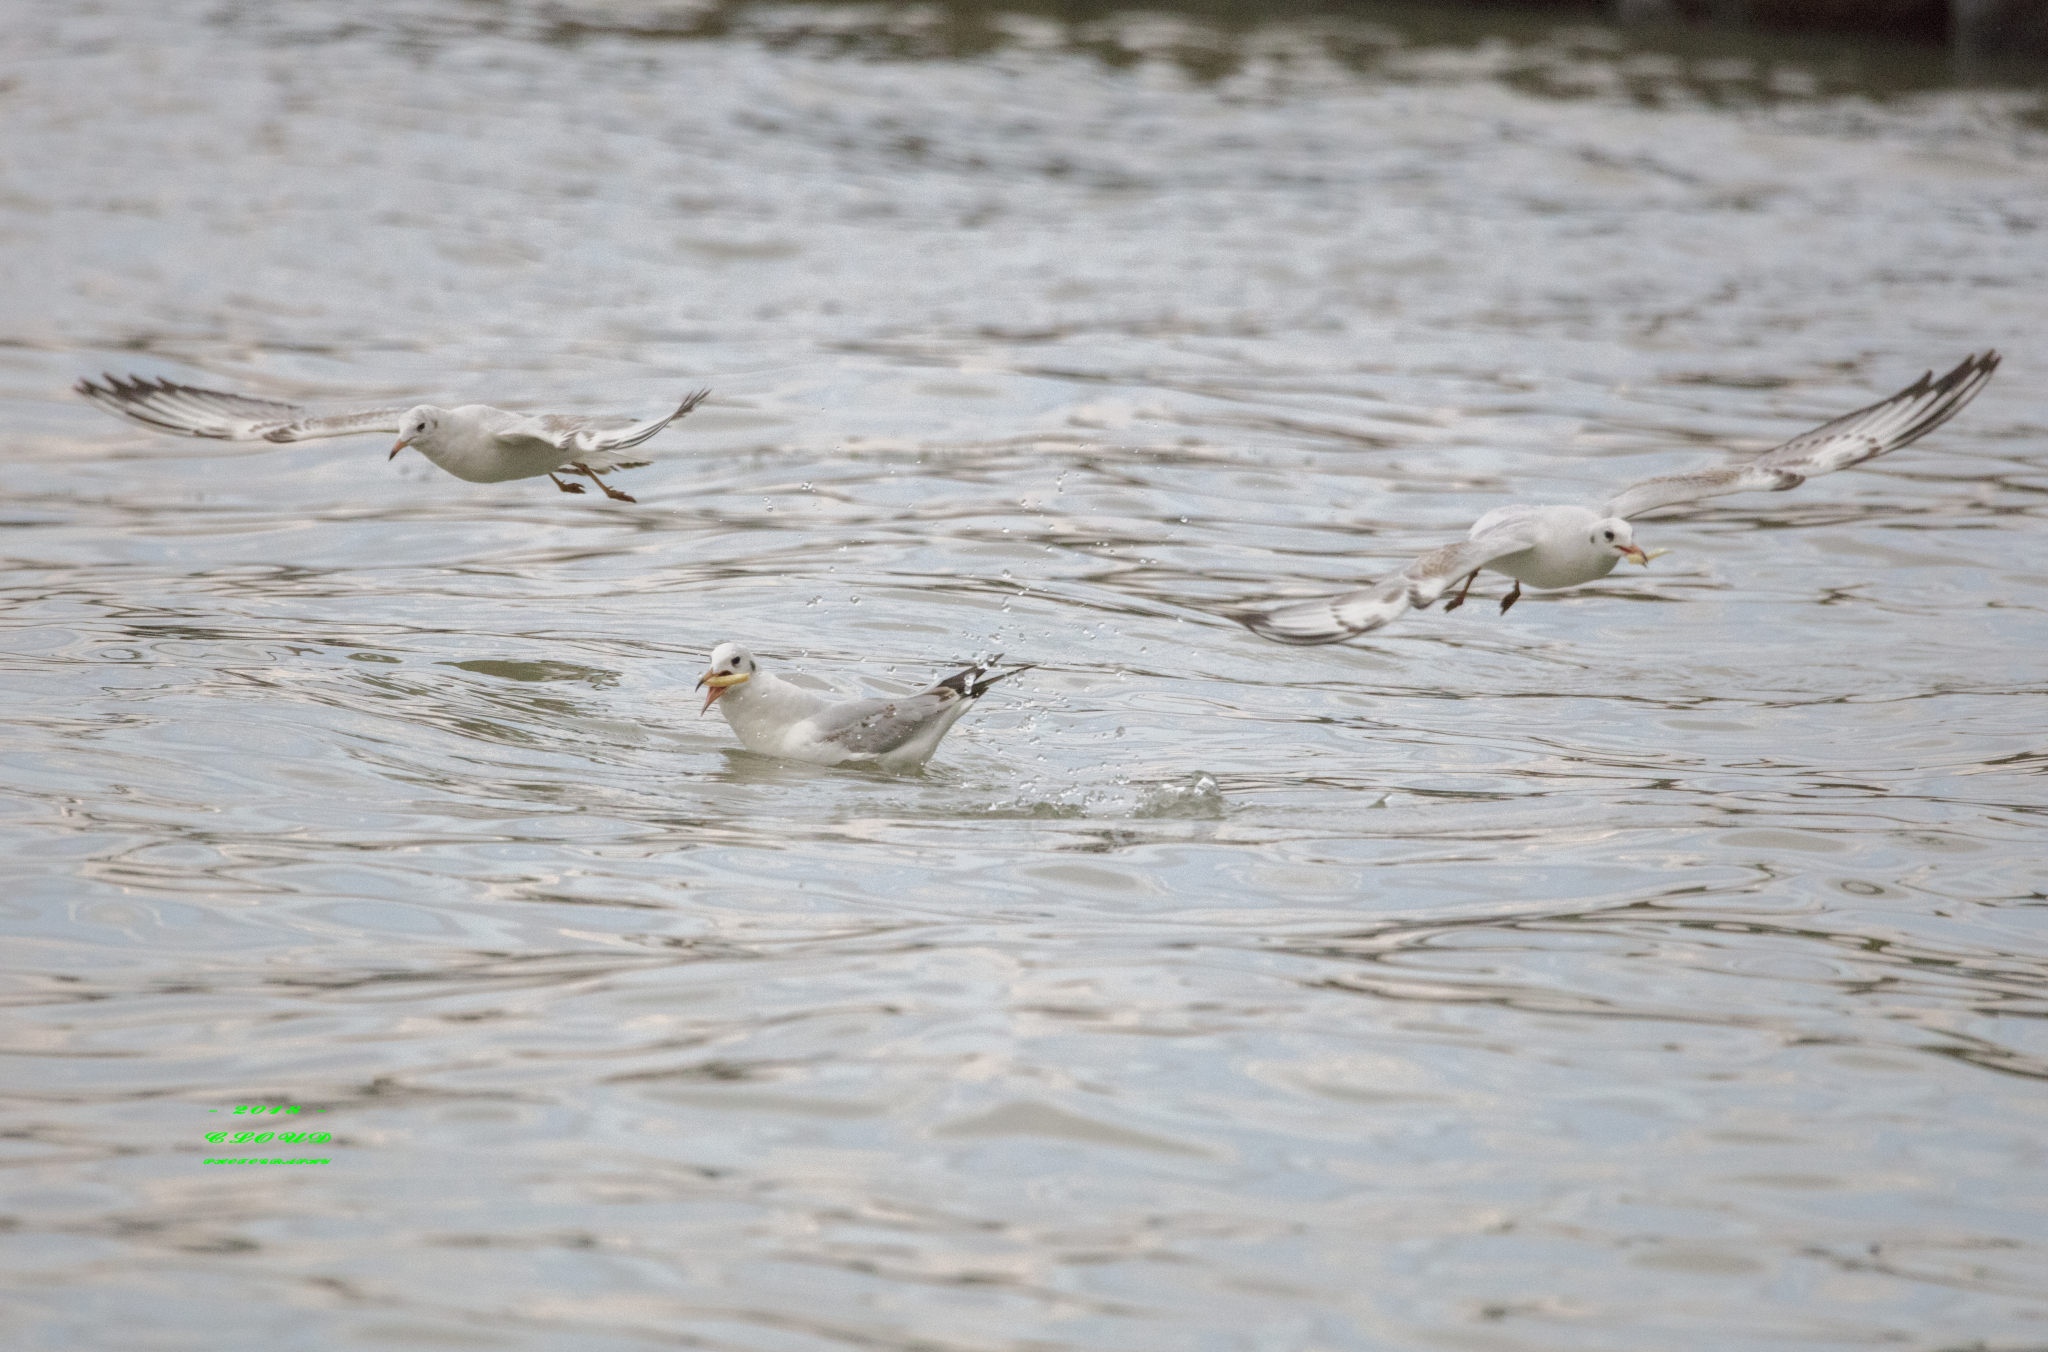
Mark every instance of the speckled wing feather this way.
pixel 1849 440
pixel 1331 619
pixel 875 727
pixel 192 412
pixel 596 440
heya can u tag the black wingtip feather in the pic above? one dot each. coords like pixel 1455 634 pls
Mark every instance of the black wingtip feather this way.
pixel 124 398
pixel 688 403
pixel 967 685
pixel 1954 390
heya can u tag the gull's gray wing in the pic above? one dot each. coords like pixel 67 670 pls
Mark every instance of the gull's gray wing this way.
pixel 192 412
pixel 875 727
pixel 1849 440
pixel 1329 619
pixel 596 440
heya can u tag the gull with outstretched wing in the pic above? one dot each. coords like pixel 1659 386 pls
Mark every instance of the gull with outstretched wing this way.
pixel 1563 546
pixel 476 442
pixel 775 718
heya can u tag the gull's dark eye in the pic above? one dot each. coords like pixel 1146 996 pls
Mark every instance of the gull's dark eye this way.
pixel 1610 535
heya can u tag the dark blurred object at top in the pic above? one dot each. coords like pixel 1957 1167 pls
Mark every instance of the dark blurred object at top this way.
pixel 1973 28
pixel 1981 34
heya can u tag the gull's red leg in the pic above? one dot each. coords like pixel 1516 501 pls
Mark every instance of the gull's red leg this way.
pixel 610 492
pixel 1459 599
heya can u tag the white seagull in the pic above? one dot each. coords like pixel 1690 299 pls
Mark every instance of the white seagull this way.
pixel 1562 546
pixel 775 718
pixel 476 442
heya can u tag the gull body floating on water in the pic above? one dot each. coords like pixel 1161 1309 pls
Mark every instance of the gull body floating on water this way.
pixel 1563 546
pixel 775 718
pixel 476 442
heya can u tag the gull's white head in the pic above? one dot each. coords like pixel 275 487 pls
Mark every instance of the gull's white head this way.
pixel 731 665
pixel 417 423
pixel 1618 536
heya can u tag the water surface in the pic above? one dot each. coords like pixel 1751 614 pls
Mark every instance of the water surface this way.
pixel 1660 965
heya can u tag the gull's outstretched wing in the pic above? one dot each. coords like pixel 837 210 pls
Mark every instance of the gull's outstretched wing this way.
pixel 192 412
pixel 1330 619
pixel 1849 440
pixel 875 727
pixel 596 440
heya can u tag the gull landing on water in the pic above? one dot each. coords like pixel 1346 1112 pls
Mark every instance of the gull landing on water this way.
pixel 775 718
pixel 476 442
pixel 1561 546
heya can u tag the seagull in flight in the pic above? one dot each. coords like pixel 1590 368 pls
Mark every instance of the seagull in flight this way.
pixel 1563 546
pixel 775 718
pixel 476 442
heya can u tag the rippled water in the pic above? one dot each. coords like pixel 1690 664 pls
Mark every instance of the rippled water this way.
pixel 1659 966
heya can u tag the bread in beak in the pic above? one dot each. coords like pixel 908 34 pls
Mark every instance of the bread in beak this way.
pixel 720 682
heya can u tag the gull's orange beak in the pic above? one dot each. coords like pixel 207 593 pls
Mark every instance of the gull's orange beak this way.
pixel 403 442
pixel 1635 554
pixel 720 682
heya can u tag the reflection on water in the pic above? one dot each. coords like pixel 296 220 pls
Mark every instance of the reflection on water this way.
pixel 1659 965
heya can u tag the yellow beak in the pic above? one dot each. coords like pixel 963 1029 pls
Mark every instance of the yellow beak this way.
pixel 720 682
pixel 403 442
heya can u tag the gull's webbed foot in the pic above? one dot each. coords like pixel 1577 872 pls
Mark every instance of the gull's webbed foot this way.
pixel 567 488
pixel 1459 599
pixel 614 494
pixel 1511 598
